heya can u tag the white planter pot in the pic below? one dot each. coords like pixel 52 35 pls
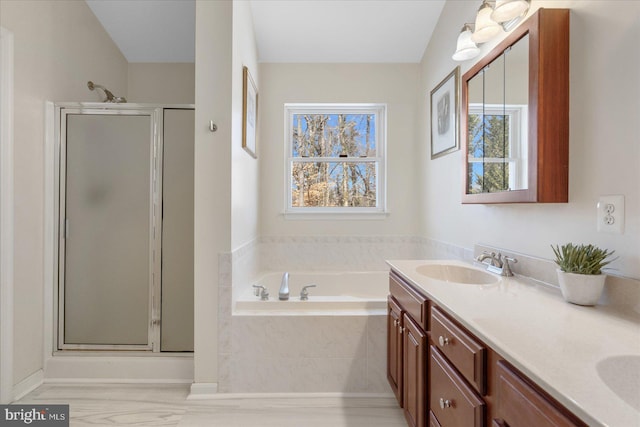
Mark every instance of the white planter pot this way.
pixel 581 289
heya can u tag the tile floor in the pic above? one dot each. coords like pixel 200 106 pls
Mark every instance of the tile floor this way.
pixel 166 405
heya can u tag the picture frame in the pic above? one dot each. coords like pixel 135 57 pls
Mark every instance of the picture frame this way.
pixel 249 113
pixel 445 117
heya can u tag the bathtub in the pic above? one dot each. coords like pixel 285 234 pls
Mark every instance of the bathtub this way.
pixel 343 293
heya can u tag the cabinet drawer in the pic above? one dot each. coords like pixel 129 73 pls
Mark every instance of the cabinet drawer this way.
pixel 411 301
pixel 466 353
pixel 521 405
pixel 433 421
pixel 452 401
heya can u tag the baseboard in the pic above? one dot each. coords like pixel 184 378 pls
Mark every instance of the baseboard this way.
pixel 28 384
pixel 119 369
pixel 203 391
pixel 200 391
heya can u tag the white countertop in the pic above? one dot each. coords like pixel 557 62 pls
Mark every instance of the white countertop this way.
pixel 560 346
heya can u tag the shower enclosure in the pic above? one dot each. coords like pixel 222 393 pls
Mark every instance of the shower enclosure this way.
pixel 125 227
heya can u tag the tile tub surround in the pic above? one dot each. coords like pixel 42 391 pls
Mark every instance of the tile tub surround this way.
pixel 272 354
pixel 362 370
pixel 518 317
pixel 166 405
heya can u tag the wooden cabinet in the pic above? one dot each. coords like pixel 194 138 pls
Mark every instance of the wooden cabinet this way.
pixel 452 401
pixel 407 349
pixel 394 347
pixel 465 352
pixel 414 373
pixel 520 404
pixel 444 376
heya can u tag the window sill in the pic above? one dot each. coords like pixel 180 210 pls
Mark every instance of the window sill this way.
pixel 340 216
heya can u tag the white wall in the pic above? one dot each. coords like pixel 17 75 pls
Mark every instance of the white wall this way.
pixel 393 84
pixel 161 83
pixel 212 175
pixel 604 153
pixel 59 46
pixel 244 193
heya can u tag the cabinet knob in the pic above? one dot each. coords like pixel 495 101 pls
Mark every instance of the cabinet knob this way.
pixel 443 341
pixel 445 403
pixel 395 323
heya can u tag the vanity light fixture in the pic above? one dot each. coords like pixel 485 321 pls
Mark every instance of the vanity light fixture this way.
pixel 493 18
pixel 486 28
pixel 465 47
pixel 508 10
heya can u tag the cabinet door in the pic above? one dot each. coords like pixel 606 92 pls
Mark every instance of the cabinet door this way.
pixel 414 373
pixel 394 348
pixel 521 405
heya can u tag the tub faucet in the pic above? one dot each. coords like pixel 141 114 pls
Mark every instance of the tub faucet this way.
pixel 304 293
pixel 283 294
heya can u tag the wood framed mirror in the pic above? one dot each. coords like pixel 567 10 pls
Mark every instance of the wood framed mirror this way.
pixel 515 116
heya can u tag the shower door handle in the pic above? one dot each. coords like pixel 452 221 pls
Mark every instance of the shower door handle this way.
pixel 66 228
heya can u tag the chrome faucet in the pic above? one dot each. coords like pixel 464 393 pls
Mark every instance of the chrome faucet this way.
pixel 261 291
pixel 283 294
pixel 495 260
pixel 498 263
pixel 304 293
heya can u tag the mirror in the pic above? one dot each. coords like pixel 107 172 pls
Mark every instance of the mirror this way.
pixel 505 107
pixel 497 123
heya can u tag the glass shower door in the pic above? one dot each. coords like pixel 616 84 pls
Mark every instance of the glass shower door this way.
pixel 107 230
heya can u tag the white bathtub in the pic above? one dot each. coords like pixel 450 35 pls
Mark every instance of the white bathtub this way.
pixel 335 293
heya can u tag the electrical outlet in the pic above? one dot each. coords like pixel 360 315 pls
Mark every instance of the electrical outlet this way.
pixel 611 214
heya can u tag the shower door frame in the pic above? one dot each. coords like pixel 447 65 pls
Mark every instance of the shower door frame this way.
pixel 62 110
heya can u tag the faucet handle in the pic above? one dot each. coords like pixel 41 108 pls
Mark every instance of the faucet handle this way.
pixel 506 268
pixel 304 293
pixel 261 291
pixel 256 290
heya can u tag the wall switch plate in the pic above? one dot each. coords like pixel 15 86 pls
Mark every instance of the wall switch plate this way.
pixel 611 214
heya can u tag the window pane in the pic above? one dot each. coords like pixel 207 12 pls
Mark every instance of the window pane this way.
pixel 333 184
pixel 334 135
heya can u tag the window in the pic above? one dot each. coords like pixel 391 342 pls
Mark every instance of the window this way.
pixel 497 148
pixel 335 158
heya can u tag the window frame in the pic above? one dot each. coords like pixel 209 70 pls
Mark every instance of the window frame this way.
pixel 518 133
pixel 337 212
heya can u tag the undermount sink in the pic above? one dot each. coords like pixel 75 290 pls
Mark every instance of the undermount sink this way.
pixel 457 274
pixel 622 375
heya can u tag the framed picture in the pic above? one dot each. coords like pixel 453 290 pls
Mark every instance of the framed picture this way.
pixel 444 115
pixel 249 113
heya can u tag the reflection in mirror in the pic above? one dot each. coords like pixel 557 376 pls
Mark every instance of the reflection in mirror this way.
pixel 497 123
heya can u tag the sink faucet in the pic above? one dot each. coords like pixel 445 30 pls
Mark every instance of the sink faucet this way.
pixel 283 294
pixel 498 263
pixel 304 293
pixel 494 260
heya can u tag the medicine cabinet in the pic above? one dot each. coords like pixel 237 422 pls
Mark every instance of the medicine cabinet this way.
pixel 515 116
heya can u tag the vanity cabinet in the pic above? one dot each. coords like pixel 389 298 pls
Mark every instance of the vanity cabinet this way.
pixel 407 349
pixel 520 404
pixel 452 401
pixel 394 347
pixel 462 349
pixel 444 376
pixel 414 372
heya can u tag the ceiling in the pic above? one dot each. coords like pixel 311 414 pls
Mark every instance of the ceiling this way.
pixel 352 31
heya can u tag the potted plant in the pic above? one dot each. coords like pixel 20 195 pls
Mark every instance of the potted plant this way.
pixel 580 273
